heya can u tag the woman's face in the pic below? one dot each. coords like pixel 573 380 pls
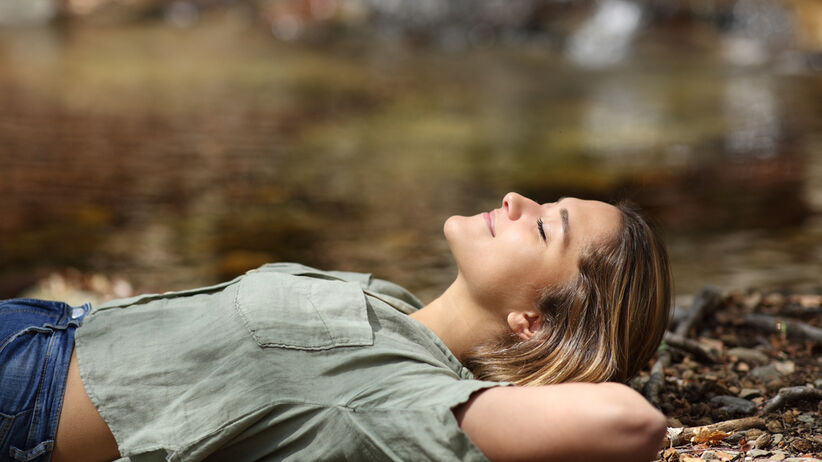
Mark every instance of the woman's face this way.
pixel 505 260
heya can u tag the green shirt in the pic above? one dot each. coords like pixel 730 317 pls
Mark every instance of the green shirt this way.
pixel 284 363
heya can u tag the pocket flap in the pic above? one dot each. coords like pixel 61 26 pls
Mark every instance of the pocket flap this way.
pixel 281 310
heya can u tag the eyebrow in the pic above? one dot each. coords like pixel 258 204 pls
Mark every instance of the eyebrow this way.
pixel 563 213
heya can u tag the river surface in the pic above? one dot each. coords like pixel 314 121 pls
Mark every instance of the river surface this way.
pixel 176 157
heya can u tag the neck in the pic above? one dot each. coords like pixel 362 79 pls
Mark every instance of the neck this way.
pixel 458 320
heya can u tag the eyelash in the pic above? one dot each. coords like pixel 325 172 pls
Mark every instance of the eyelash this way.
pixel 541 229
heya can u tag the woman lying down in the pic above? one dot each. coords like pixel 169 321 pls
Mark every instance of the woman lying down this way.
pixel 522 358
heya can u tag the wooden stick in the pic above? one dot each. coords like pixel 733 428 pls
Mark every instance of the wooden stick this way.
pixel 657 378
pixel 689 345
pixel 788 395
pixel 727 426
pixel 708 298
pixel 791 327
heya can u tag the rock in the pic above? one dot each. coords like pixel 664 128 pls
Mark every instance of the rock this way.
pixel 817 383
pixel 785 367
pixel 807 418
pixel 765 374
pixel 774 426
pixel 748 393
pixel 733 405
pixel 709 455
pixel 777 438
pixel 748 355
pixel 753 434
pixel 763 441
pixel 759 453
pixel 801 445
pixel 778 455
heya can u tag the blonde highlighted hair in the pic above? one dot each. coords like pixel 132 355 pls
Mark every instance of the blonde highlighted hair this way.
pixel 602 325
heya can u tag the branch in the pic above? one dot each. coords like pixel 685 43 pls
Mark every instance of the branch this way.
pixel 657 378
pixel 684 436
pixel 788 395
pixel 708 298
pixel 689 345
pixel 791 327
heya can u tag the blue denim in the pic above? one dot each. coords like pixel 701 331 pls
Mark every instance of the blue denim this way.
pixel 36 341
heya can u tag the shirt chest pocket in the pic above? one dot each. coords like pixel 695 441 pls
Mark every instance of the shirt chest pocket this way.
pixel 285 311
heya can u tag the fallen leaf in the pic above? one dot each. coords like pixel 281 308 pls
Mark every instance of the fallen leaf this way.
pixel 709 437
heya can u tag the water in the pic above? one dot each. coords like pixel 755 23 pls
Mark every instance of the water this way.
pixel 177 157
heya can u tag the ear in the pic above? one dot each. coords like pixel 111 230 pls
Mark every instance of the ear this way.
pixel 524 323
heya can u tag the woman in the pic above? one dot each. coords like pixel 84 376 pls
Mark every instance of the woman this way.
pixel 290 362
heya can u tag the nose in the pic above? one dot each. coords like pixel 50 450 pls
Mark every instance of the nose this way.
pixel 515 204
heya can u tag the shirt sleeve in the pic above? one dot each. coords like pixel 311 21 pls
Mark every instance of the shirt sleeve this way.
pixel 424 430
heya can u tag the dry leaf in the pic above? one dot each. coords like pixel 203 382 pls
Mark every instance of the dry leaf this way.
pixel 709 437
pixel 687 458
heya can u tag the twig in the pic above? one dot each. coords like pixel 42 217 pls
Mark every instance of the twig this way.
pixel 791 327
pixel 657 378
pixel 745 423
pixel 788 395
pixel 689 345
pixel 706 300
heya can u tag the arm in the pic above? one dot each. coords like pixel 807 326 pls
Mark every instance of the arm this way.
pixel 565 422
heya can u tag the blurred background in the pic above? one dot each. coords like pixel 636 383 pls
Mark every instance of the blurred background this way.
pixel 157 145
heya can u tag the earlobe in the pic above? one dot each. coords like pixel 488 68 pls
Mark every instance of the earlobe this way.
pixel 524 323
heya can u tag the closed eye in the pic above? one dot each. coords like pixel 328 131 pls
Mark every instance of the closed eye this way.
pixel 541 229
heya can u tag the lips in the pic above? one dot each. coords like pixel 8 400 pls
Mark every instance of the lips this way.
pixel 489 220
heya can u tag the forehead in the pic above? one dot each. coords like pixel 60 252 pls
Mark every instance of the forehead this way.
pixel 589 220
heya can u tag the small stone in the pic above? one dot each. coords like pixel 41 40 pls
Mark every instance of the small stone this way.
pixel 775 385
pixel 748 393
pixel 734 390
pixel 674 422
pixel 709 455
pixel 778 455
pixel 763 441
pixel 688 374
pixel 817 383
pixel 759 453
pixel 753 433
pixel 774 426
pixel 733 405
pixel 742 367
pixel 807 418
pixel 785 367
pixel 777 438
pixel 748 355
pixel 765 373
pixel 788 417
pixel 801 445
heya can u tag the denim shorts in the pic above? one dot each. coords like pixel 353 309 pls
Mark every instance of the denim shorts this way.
pixel 36 341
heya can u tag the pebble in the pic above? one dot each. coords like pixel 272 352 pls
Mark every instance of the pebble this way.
pixel 807 418
pixel 765 374
pixel 763 441
pixel 748 354
pixel 733 404
pixel 748 393
pixel 709 455
pixel 777 438
pixel 785 367
pixel 774 426
pixel 759 453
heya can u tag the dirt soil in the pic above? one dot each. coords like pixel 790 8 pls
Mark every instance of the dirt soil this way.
pixel 752 364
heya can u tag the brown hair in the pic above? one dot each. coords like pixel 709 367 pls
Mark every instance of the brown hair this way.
pixel 604 324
